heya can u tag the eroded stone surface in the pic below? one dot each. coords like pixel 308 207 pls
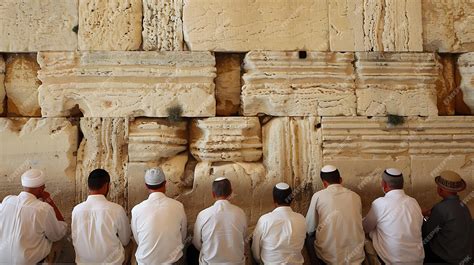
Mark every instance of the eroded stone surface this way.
pixel 228 84
pixel 448 25
pixel 244 25
pixel 32 25
pixel 162 25
pixel 226 139
pixel 396 83
pixel 298 84
pixel 21 85
pixel 46 144
pixel 446 84
pixel 375 25
pixel 104 146
pixel 2 84
pixel 122 84
pixel 466 70
pixel 110 25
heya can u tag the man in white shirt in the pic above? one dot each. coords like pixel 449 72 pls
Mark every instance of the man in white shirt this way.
pixel 279 235
pixel 220 230
pixel 335 215
pixel 159 224
pixel 100 229
pixel 29 222
pixel 394 223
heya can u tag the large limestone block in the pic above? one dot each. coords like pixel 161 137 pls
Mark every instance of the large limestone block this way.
pixel 298 84
pixel 38 25
pixel 466 70
pixel 292 154
pixel 153 139
pixel 21 85
pixel 375 25
pixel 244 25
pixel 228 84
pixel 110 25
pixel 104 146
pixel 46 144
pixel 122 84
pixel 396 83
pixel 2 84
pixel 448 25
pixel 162 25
pixel 226 139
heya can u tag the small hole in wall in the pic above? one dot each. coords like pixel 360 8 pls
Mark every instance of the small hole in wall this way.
pixel 302 54
pixel 318 125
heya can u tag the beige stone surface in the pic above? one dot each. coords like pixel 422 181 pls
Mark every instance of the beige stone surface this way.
pixel 233 139
pixel 104 146
pixel 110 25
pixel 2 84
pixel 21 85
pixel 162 25
pixel 228 84
pixel 466 70
pixel 375 25
pixel 38 25
pixel 396 83
pixel 448 25
pixel 46 144
pixel 123 84
pixel 244 25
pixel 283 84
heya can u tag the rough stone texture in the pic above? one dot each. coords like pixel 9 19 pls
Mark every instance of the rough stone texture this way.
pixel 121 84
pixel 21 85
pixel 2 84
pixel 466 70
pixel 38 25
pixel 292 154
pixel 46 144
pixel 226 139
pixel 110 25
pixel 228 84
pixel 448 25
pixel 446 84
pixel 283 84
pixel 375 25
pixel 396 83
pixel 162 25
pixel 104 146
pixel 244 25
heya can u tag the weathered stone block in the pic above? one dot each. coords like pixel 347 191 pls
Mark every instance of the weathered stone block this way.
pixel 38 25
pixel 396 83
pixel 448 25
pixel 446 84
pixel 466 70
pixel 2 84
pixel 298 84
pixel 228 84
pixel 375 25
pixel 104 146
pixel 21 85
pixel 162 25
pixel 46 144
pixel 110 25
pixel 122 84
pixel 244 25
pixel 226 139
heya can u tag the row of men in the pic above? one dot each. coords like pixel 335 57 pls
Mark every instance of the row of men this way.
pixel 30 222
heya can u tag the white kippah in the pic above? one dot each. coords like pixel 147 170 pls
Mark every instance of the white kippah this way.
pixel 328 169
pixel 154 176
pixel 220 178
pixel 33 178
pixel 393 171
pixel 282 186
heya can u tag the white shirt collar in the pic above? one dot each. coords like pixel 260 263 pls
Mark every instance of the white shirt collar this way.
pixel 335 185
pixel 96 197
pixel 283 209
pixel 156 195
pixel 27 195
pixel 395 193
pixel 219 202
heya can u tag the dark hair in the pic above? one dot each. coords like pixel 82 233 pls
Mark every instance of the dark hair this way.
pixel 331 177
pixel 155 187
pixel 282 197
pixel 395 183
pixel 222 188
pixel 97 179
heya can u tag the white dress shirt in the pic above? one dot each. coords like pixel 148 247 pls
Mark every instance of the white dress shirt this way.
pixel 219 233
pixel 100 229
pixel 28 227
pixel 159 228
pixel 394 224
pixel 279 237
pixel 335 213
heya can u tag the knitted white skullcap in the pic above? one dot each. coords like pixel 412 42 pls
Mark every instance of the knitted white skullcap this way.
pixel 282 186
pixel 33 178
pixel 393 171
pixel 328 169
pixel 220 178
pixel 154 176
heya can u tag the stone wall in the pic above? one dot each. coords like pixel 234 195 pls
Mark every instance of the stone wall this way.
pixel 257 91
